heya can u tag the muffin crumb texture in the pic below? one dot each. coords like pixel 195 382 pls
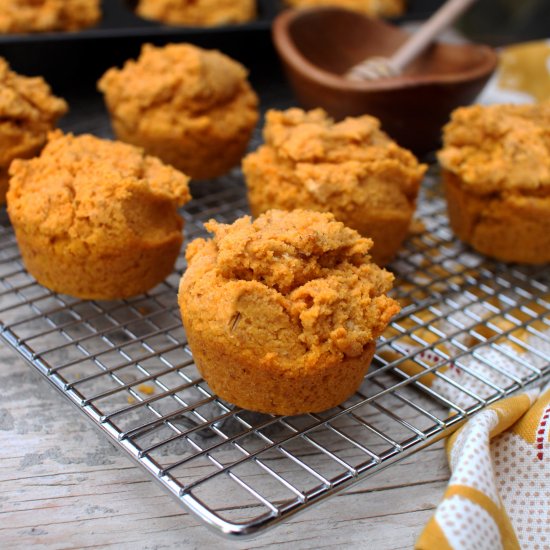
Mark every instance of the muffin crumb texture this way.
pixel 350 168
pixel 96 219
pixel 499 148
pixel 192 108
pixel 202 13
pixel 20 16
pixel 496 170
pixel 282 313
pixel 375 8
pixel 28 111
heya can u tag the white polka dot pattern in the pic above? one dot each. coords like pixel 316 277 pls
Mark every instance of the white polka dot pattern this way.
pixel 511 472
pixel 467 526
pixel 471 459
pixel 524 485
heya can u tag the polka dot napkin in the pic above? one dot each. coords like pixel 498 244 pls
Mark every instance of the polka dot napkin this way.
pixel 499 492
pixel 498 496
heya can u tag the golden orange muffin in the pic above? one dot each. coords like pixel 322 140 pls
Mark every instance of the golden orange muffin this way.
pixel 496 171
pixel 48 15
pixel 201 13
pixel 192 108
pixel 28 111
pixel 96 219
pixel 374 8
pixel 282 314
pixel 349 168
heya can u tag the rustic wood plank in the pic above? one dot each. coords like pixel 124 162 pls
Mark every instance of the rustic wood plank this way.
pixel 64 485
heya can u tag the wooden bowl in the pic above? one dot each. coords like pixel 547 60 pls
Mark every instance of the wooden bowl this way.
pixel 317 46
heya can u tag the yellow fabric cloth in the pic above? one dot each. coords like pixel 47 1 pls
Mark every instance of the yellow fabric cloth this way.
pixel 498 496
pixel 526 68
pixel 499 492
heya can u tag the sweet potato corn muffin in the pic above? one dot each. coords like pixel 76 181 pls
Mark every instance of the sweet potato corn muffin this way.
pixel 496 171
pixel 373 8
pixel 96 219
pixel 282 314
pixel 192 108
pixel 202 13
pixel 28 111
pixel 20 16
pixel 349 168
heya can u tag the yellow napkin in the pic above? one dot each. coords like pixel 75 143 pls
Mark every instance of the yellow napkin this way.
pixel 526 68
pixel 499 492
pixel 522 76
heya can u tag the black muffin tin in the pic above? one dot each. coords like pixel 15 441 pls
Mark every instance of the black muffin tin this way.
pixel 72 61
pixel 119 20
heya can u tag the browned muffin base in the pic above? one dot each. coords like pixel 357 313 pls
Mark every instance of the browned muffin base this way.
pixel 73 268
pixel 265 387
pixel 201 154
pixel 513 227
pixel 387 232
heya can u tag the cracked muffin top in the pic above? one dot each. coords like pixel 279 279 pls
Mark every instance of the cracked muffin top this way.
pixel 95 190
pixel 312 142
pixel 301 276
pixel 28 111
pixel 499 148
pixel 48 15
pixel 175 78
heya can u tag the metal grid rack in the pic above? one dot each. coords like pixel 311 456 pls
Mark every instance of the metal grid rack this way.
pixel 470 332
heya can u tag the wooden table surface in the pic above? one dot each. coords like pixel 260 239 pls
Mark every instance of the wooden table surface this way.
pixel 64 485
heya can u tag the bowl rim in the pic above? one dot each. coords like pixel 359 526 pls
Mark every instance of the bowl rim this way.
pixel 291 55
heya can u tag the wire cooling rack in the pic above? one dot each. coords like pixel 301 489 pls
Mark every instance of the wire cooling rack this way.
pixel 470 332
